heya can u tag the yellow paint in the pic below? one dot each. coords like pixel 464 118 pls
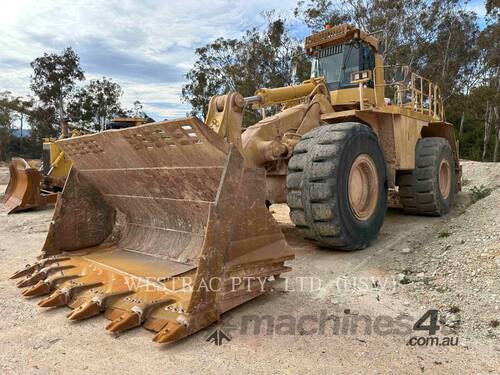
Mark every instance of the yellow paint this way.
pixel 59 163
pixel 351 96
pixel 407 132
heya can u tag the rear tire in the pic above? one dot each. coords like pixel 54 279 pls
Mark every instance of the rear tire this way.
pixel 430 188
pixel 337 186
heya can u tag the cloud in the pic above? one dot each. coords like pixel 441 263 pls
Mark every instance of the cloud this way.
pixel 146 46
pixel 109 61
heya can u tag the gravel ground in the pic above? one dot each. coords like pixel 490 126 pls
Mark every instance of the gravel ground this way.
pixel 458 269
pixel 450 264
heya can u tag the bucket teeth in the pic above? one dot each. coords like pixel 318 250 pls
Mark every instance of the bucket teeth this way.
pixel 38 289
pixel 29 269
pixel 26 271
pixel 56 299
pixel 172 331
pixel 127 320
pixel 59 279
pixel 94 306
pixel 31 280
pixel 87 310
pixel 62 295
pixel 41 275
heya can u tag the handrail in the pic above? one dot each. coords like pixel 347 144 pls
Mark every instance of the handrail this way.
pixel 413 91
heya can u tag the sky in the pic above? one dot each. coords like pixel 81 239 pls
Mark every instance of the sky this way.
pixel 146 46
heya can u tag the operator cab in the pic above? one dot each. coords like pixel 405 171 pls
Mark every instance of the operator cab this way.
pixel 347 59
pixel 337 63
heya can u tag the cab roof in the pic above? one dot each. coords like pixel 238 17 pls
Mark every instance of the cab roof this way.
pixel 333 35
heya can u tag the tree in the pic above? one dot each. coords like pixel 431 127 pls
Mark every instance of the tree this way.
pixel 7 118
pixel 8 105
pixel 137 110
pixel 94 105
pixel 450 52
pixel 436 38
pixel 42 120
pixel 397 22
pixel 489 42
pixel 17 112
pixel 54 79
pixel 261 58
pixel 441 40
pixel 23 108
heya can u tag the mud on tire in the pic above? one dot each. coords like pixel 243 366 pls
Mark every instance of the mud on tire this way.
pixel 423 191
pixel 317 186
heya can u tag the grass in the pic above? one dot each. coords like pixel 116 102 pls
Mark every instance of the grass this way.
pixel 465 181
pixel 479 192
pixel 454 309
pixel 494 323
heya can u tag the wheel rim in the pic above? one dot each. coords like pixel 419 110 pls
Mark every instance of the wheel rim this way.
pixel 444 178
pixel 363 187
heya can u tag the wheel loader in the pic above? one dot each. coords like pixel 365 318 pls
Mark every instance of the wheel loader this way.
pixel 30 188
pixel 166 225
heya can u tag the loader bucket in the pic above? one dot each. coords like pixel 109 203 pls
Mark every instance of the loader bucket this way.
pixel 158 225
pixel 23 191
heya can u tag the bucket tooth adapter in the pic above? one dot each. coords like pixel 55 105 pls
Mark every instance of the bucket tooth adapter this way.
pixel 159 225
pixel 24 189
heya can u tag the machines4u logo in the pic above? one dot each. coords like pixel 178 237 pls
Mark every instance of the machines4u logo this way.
pixel 218 337
pixel 222 332
pixel 429 323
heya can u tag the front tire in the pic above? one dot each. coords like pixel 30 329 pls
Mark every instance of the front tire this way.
pixel 337 186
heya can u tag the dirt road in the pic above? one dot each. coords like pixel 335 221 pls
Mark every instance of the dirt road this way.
pixel 366 302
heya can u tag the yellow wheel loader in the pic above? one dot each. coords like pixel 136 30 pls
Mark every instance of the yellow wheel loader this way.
pixel 165 225
pixel 31 188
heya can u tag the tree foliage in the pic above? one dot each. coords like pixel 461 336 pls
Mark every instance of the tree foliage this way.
pixel 54 78
pixel 91 107
pixel 261 58
pixel 137 110
pixel 16 112
pixel 436 38
pixel 440 39
pixel 7 118
pixel 58 100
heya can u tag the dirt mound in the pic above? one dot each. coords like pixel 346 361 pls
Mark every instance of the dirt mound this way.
pixel 456 269
pixel 475 173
